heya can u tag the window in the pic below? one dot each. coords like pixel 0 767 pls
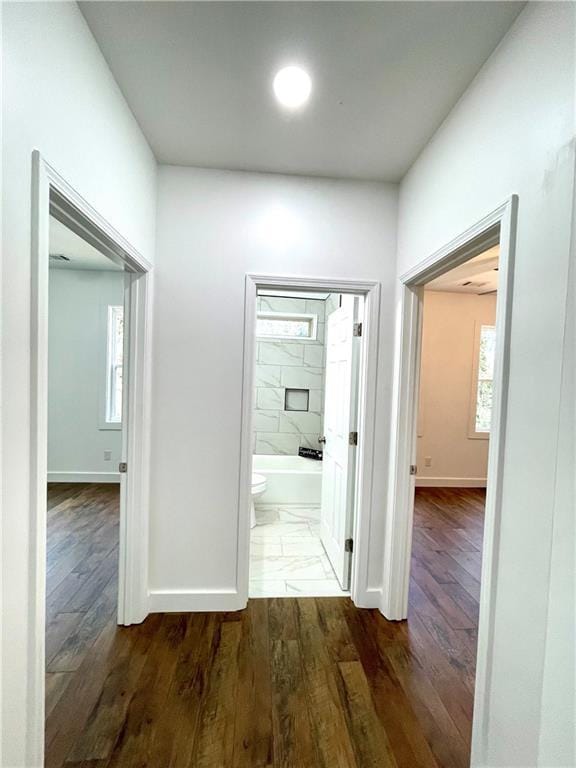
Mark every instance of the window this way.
pixel 279 325
pixel 485 347
pixel 115 348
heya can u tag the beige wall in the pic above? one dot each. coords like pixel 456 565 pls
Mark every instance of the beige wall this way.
pixel 448 352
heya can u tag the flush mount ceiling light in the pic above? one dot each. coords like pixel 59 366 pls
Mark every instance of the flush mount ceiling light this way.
pixel 292 87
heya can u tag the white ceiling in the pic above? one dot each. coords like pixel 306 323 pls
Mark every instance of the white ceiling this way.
pixel 198 78
pixel 80 254
pixel 478 275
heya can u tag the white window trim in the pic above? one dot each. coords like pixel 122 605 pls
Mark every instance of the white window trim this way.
pixel 266 315
pixel 103 421
pixel 473 433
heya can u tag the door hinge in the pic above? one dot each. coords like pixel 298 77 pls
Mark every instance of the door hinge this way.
pixel 349 545
pixel 123 467
pixel 357 330
pixel 413 469
pixel 353 438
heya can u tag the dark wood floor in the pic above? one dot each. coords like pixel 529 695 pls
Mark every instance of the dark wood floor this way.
pixel 287 683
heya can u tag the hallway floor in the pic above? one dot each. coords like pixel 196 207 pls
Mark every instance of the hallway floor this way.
pixel 286 683
pixel 286 555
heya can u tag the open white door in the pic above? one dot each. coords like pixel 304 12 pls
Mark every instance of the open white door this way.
pixel 338 466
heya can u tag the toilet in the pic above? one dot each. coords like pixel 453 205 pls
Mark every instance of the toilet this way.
pixel 258 488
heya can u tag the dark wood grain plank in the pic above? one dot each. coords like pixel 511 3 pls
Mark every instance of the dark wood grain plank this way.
pixel 327 717
pixel 147 701
pixel 373 750
pixel 215 739
pixel 287 683
pixel 293 738
pixel 107 716
pixel 253 736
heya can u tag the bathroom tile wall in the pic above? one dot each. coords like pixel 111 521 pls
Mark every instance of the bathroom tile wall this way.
pixel 332 303
pixel 292 363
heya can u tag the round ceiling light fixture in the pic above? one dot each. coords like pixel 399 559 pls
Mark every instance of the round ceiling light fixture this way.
pixel 292 87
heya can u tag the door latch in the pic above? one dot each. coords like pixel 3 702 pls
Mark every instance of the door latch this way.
pixel 413 469
pixel 123 467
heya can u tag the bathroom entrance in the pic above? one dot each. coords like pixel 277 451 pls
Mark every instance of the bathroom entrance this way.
pixel 308 351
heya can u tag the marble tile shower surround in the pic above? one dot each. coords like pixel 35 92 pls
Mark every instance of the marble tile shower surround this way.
pixel 290 363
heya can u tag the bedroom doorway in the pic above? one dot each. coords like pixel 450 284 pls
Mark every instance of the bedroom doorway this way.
pixel 55 200
pixel 488 395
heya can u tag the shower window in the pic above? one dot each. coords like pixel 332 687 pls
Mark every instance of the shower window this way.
pixel 286 325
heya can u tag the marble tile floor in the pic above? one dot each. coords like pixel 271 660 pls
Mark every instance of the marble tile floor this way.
pixel 287 558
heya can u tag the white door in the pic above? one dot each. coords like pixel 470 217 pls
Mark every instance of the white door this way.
pixel 338 466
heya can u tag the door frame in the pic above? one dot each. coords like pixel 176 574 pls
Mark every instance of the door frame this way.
pixel 361 594
pixel 51 194
pixel 499 226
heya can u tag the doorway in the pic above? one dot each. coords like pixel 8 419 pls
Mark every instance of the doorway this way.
pixel 456 387
pixel 86 316
pixel 54 199
pixel 305 428
pixel 309 385
pixel 497 229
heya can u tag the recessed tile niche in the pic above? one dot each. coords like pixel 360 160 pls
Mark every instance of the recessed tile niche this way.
pixel 296 399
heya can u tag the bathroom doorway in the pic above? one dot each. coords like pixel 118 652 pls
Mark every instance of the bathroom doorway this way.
pixel 307 452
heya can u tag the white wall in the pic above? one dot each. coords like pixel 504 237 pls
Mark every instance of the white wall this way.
pixel 60 98
pixel 76 373
pixel 513 132
pixel 213 227
pixel 446 373
pixel 559 689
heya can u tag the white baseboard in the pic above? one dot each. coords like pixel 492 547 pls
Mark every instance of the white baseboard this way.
pixel 192 601
pixel 370 598
pixel 83 477
pixel 450 482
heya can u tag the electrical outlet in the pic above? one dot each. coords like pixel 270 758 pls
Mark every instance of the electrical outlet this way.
pixel 107 455
pixel 427 461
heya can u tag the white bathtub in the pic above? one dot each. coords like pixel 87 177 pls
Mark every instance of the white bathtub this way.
pixel 290 479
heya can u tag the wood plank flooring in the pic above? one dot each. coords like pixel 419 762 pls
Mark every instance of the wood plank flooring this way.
pixel 287 683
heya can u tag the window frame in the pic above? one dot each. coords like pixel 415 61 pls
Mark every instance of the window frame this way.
pixel 306 316
pixel 474 433
pixel 106 379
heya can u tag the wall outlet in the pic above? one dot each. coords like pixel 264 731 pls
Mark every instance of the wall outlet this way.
pixel 107 455
pixel 427 461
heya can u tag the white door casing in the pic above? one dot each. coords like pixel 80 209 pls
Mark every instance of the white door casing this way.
pixel 51 194
pixel 338 466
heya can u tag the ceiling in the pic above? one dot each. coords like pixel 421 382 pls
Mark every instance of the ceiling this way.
pixel 198 78
pixel 478 275
pixel 80 254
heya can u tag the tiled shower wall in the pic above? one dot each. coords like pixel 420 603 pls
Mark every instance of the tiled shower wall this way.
pixel 297 364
